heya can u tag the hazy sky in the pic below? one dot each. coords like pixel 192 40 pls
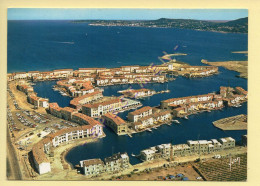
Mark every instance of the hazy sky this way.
pixel 124 14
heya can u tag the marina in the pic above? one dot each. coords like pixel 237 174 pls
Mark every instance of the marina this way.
pixel 144 45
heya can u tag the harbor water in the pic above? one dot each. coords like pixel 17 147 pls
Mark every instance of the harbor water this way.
pixel 61 44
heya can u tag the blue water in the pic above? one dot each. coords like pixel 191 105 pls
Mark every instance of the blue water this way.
pixel 39 45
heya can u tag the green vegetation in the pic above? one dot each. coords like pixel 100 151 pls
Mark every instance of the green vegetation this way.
pixel 235 26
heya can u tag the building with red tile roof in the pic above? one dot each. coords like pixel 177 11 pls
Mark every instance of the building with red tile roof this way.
pixel 117 124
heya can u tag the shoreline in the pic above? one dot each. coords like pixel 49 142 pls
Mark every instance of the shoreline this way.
pixel 232 123
pixel 74 145
pixel 222 32
pixel 238 66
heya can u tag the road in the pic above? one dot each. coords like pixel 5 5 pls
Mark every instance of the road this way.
pixel 13 168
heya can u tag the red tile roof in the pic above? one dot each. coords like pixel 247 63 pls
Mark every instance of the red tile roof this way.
pixel 116 119
pixel 141 110
pixel 108 102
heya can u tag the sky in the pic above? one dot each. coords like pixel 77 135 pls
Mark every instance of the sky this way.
pixel 124 14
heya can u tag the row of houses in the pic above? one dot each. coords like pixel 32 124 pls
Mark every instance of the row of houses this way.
pixel 32 97
pixel 147 117
pixel 175 102
pixel 91 73
pixel 86 99
pixel 188 105
pixel 38 101
pixel 130 79
pixel 37 75
pixel 71 114
pixel 105 76
pixel 168 151
pixel 140 119
pixel 233 96
pixel 76 87
pixel 114 104
pixel 113 164
pixel 137 93
pixel 199 71
pixel 117 124
pixel 42 150
pixel 24 87
pixel 196 107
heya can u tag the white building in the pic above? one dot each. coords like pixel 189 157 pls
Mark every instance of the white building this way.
pixel 148 154
pixel 140 113
pixel 92 166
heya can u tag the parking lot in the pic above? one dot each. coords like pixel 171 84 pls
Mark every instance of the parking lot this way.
pixel 27 127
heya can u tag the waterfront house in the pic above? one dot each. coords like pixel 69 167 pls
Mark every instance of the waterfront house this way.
pixel 194 146
pixel 150 120
pixel 10 76
pixel 67 113
pixel 83 119
pixel 85 99
pixel 67 134
pixel 164 150
pixel 112 105
pixel 137 126
pixel 191 148
pixel 227 142
pixel 146 121
pixel 179 111
pixel 217 145
pixel 42 148
pixel 92 167
pixel 204 146
pixel 162 116
pixel 32 74
pixel 241 91
pixel 55 110
pixel 43 102
pixel 20 75
pixel 27 89
pixel 139 113
pixel 200 146
pixel 138 93
pixel 130 68
pixel 117 124
pixel 176 102
pixel 116 162
pixel 148 154
pixel 181 150
pixel 63 73
pixel 88 70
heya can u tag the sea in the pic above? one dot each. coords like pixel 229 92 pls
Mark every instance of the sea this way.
pixel 49 45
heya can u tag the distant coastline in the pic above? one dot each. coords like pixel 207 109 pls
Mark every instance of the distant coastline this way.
pixel 234 26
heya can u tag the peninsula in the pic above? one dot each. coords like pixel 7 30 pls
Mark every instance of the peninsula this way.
pixel 238 122
pixel 238 66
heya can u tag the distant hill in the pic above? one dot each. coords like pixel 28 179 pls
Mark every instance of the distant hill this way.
pixel 234 26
